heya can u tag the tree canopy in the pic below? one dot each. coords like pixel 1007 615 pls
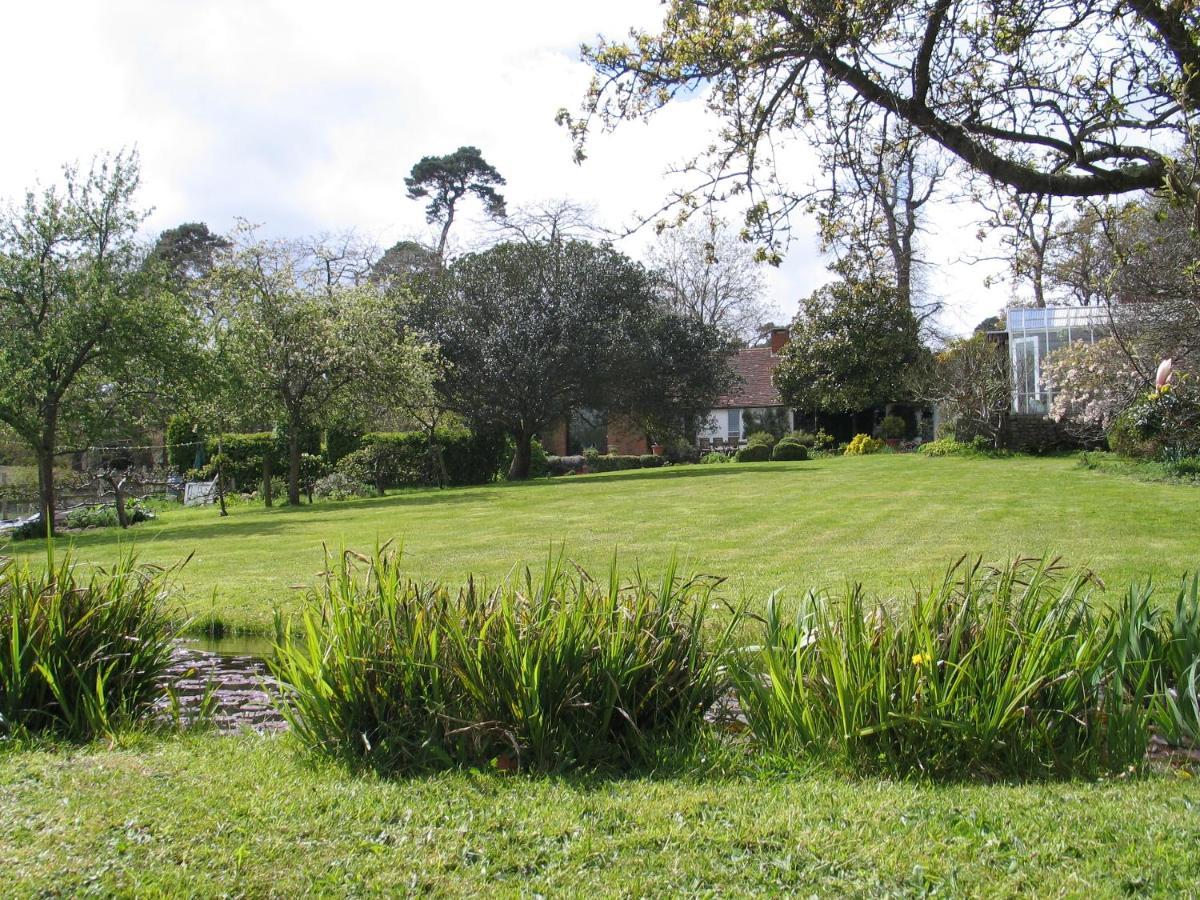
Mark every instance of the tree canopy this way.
pixel 711 275
pixel 83 320
pixel 301 336
pixel 445 180
pixel 852 346
pixel 531 330
pixel 1074 98
pixel 187 251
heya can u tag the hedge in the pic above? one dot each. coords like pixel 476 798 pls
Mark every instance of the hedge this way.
pixel 183 439
pixel 244 455
pixel 613 463
pixel 394 458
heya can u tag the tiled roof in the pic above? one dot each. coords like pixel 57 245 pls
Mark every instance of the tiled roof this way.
pixel 753 366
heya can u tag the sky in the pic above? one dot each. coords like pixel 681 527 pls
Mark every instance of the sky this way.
pixel 304 118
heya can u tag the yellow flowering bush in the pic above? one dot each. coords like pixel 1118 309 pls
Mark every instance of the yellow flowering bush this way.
pixel 863 444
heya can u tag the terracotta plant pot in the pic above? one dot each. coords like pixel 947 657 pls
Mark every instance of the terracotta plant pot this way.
pixel 656 449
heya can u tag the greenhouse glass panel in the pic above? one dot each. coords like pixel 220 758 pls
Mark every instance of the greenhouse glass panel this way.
pixel 1033 334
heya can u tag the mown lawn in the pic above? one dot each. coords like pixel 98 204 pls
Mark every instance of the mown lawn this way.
pixel 212 816
pixel 205 815
pixel 885 520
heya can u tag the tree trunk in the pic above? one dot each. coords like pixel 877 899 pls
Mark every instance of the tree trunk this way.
pixel 266 485
pixel 117 486
pixel 441 247
pixel 221 477
pixel 46 499
pixel 519 470
pixel 294 464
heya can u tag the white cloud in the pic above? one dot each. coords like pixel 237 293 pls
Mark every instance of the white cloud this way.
pixel 307 116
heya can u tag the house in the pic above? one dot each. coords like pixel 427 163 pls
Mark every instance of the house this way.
pixel 755 401
pixel 755 394
pixel 755 405
pixel 594 428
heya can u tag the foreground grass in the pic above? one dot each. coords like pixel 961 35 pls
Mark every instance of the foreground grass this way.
pixel 885 520
pixel 207 815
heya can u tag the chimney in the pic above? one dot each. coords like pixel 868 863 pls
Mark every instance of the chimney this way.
pixel 778 337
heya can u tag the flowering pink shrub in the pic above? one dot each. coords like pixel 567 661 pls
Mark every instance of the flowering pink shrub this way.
pixel 1091 384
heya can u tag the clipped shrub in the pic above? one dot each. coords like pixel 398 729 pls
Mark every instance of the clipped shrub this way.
pixel 241 458
pixel 339 442
pixel 81 655
pixel 862 444
pixel 650 461
pixel 753 453
pixel 788 449
pixel 946 446
pixel 893 428
pixel 564 465
pixel 715 456
pixel 978 446
pixel 338 486
pixel 615 463
pixel 761 437
pixel 995 673
pixel 455 456
pixel 372 465
pixel 806 438
pixel 471 456
pixel 551 671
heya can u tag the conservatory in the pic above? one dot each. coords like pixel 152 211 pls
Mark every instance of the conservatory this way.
pixel 1033 334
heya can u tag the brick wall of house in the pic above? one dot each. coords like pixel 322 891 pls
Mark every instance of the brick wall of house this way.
pixel 624 439
pixel 554 439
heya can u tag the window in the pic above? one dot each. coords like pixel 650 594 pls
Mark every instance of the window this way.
pixel 735 426
pixel 1026 375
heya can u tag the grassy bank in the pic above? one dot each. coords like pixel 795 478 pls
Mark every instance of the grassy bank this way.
pixel 209 815
pixel 885 520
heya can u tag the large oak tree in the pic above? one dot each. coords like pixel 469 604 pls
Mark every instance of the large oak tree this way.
pixel 1070 98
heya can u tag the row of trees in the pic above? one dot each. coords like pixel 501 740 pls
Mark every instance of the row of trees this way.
pixel 103 338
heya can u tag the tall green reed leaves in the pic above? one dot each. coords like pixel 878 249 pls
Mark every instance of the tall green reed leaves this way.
pixel 1159 652
pixel 550 670
pixel 992 673
pixel 81 655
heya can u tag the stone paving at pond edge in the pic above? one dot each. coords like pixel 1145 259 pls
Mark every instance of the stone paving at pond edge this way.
pixel 232 692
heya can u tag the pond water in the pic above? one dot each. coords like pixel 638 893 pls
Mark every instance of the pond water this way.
pixel 225 679
pixel 232 645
